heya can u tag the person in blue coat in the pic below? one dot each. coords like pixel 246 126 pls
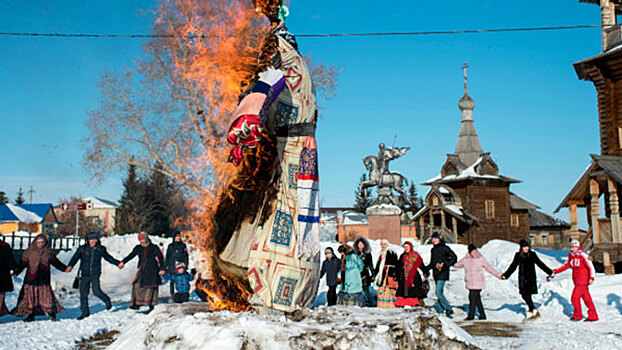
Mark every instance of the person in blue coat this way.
pixel 90 256
pixel 181 280
pixel 351 291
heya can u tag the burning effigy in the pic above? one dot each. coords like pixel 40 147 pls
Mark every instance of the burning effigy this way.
pixel 262 238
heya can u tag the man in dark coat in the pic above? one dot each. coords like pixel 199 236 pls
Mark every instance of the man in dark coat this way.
pixel 363 250
pixel 176 252
pixel 147 279
pixel 526 260
pixel 441 260
pixel 90 256
pixel 330 268
pixel 7 264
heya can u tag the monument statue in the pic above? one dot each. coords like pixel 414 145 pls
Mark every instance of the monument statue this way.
pixel 387 181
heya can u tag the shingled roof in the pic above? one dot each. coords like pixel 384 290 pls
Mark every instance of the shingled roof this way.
pixel 541 220
pixel 611 165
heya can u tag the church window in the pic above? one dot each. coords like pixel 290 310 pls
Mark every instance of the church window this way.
pixel 515 221
pixel 490 209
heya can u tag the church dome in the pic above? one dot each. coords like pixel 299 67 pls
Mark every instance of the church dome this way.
pixel 466 102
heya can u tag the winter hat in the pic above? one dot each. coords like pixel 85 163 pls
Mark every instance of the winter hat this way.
pixel 524 243
pixel 142 235
pixel 92 235
pixel 180 265
pixel 329 250
pixel 575 243
pixel 175 234
pixel 471 247
pixel 41 238
pixel 436 235
pixel 408 243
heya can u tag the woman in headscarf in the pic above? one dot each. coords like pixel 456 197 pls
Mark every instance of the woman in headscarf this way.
pixel 37 296
pixel 409 280
pixel 386 274
pixel 351 291
pixel 147 279
pixel 7 263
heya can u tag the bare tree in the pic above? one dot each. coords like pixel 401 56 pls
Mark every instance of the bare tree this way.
pixel 174 107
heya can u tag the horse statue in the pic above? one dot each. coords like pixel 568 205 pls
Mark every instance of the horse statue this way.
pixel 385 181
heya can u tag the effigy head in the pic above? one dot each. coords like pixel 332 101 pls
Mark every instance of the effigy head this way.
pixel 275 10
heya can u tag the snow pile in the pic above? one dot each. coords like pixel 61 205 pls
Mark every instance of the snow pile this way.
pixel 190 326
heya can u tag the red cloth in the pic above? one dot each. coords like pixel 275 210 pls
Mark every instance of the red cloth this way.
pixel 582 292
pixel 245 131
pixel 411 266
pixel 582 269
pixel 401 302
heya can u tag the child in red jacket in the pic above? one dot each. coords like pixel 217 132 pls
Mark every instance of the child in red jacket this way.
pixel 583 274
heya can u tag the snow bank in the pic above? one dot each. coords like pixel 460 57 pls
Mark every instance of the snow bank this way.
pixel 189 326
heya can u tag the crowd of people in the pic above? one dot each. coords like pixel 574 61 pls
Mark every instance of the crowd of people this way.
pixel 36 297
pixel 400 283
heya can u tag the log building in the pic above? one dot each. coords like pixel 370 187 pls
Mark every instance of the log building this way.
pixel 602 178
pixel 470 202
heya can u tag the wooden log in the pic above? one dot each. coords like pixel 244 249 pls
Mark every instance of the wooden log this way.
pixel 609 270
pixel 614 208
pixel 595 213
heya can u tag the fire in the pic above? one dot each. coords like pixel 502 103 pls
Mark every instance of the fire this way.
pixel 215 50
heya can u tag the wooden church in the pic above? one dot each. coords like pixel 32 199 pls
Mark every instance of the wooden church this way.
pixel 470 201
pixel 602 180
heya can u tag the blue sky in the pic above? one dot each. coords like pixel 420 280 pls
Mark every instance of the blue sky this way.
pixel 532 113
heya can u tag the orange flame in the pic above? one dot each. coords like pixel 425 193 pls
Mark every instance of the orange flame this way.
pixel 215 48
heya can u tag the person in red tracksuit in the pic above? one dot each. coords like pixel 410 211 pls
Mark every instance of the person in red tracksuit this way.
pixel 583 274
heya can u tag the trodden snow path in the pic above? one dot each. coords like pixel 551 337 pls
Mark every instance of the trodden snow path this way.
pixel 500 298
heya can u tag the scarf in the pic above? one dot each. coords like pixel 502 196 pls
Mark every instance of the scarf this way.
pixel 383 259
pixel 35 257
pixel 408 261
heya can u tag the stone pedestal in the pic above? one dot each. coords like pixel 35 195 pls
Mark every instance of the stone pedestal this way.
pixel 384 222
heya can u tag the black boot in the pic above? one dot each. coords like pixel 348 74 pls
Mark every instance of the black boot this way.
pixel 53 316
pixel 83 316
pixel 134 307
pixel 150 309
pixel 108 306
pixel 30 318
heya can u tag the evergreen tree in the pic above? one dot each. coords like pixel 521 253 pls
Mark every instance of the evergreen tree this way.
pixel 20 197
pixel 157 199
pixel 362 200
pixel 3 198
pixel 417 202
pixel 129 218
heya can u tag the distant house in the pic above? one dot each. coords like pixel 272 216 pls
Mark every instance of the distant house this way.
pixel 102 212
pixel 34 218
pixel 548 232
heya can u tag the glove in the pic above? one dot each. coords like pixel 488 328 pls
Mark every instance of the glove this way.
pixel 550 278
pixel 245 131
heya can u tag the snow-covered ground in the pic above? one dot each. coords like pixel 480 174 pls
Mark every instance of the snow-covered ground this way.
pixel 500 298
